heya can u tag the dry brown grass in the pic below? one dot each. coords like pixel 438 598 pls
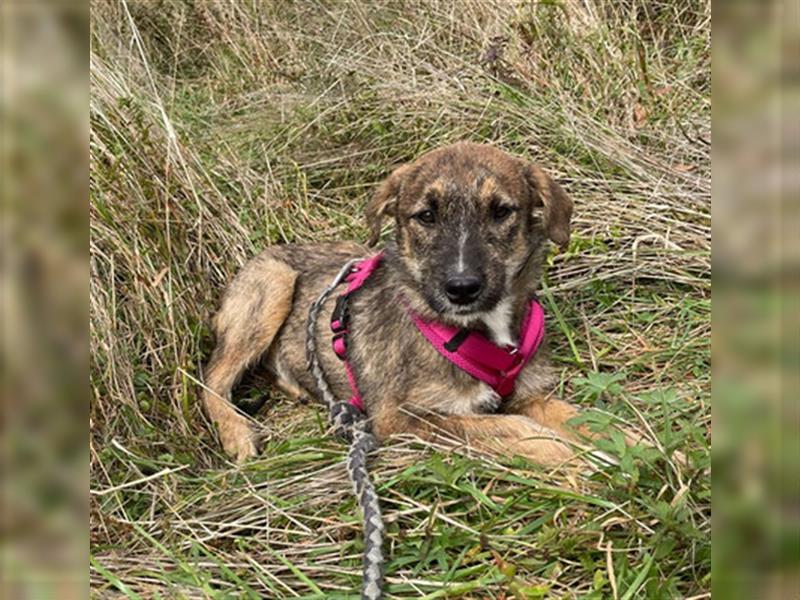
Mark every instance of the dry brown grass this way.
pixel 219 128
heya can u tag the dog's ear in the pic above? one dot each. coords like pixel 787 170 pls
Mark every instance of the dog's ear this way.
pixel 384 202
pixel 557 205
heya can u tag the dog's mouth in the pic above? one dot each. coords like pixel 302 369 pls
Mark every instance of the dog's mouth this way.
pixel 459 312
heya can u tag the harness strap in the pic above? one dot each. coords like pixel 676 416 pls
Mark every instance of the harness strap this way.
pixel 470 351
pixel 359 273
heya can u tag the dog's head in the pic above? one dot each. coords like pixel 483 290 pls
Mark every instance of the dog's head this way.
pixel 468 220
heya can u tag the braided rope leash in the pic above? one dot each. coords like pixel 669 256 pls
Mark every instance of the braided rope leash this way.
pixel 372 572
pixel 350 423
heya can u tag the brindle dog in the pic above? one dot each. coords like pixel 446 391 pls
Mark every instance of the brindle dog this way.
pixel 471 226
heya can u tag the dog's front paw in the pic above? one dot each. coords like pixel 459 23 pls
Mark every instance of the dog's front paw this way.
pixel 238 438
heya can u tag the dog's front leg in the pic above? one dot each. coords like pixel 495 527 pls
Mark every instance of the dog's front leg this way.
pixel 498 434
pixel 548 412
pixel 555 414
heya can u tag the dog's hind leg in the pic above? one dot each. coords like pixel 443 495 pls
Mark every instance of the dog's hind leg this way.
pixel 253 310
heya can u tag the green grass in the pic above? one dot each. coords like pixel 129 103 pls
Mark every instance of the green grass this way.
pixel 218 130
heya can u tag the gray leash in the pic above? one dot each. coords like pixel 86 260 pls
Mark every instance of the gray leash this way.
pixel 351 424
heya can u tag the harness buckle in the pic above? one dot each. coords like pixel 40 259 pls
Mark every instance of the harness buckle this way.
pixel 454 343
pixel 340 316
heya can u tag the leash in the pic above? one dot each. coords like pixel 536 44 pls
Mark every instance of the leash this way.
pixel 350 422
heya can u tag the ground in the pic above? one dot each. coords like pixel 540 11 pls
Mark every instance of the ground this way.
pixel 221 128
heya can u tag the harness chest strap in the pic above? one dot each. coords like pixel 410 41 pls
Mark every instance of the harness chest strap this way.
pixel 470 351
pixel 497 366
pixel 358 275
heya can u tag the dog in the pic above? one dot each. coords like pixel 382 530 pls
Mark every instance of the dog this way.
pixel 472 226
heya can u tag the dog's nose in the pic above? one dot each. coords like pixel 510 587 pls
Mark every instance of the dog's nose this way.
pixel 463 289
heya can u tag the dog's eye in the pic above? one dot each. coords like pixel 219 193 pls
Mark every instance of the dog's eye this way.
pixel 426 217
pixel 501 212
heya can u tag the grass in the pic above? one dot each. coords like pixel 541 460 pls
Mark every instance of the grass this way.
pixel 219 129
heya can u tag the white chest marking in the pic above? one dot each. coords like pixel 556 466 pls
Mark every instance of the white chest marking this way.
pixel 498 321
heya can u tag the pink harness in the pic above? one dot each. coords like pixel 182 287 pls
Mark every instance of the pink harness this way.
pixel 470 351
